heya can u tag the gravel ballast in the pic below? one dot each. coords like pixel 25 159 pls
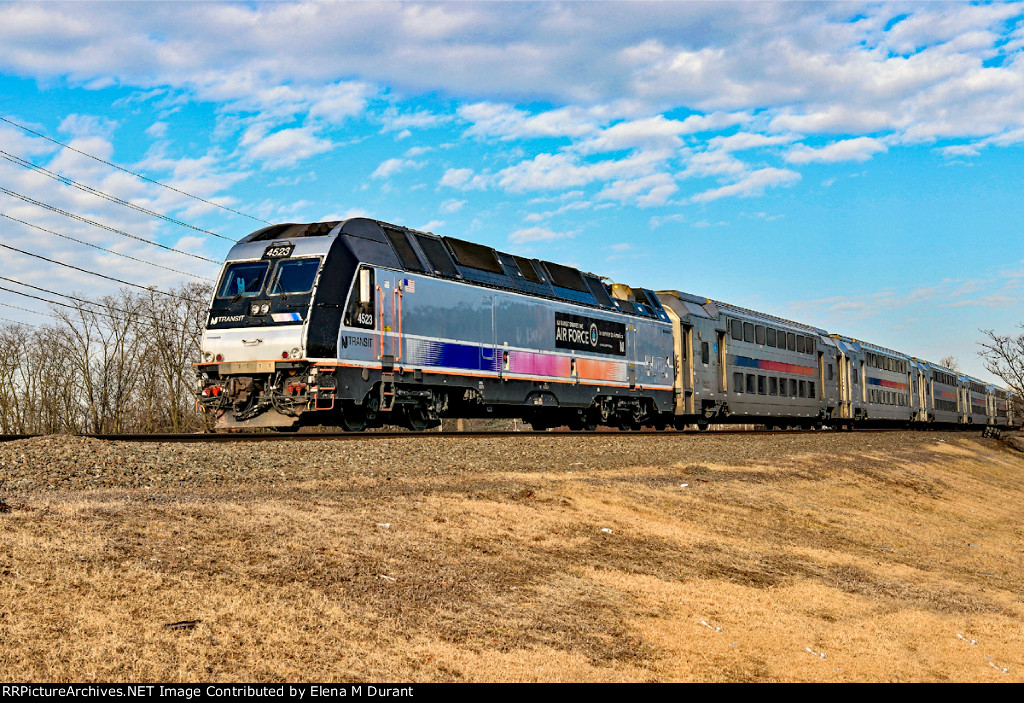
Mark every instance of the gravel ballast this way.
pixel 68 463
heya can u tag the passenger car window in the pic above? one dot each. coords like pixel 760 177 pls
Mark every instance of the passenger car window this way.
pixel 791 341
pixel 748 332
pixel 737 330
pixel 759 334
pixel 771 337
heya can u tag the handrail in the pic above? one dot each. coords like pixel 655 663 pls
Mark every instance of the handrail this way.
pixel 396 314
pixel 380 308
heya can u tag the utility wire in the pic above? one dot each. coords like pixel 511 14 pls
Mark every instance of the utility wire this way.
pixel 130 313
pixel 34 312
pixel 54 302
pixel 101 225
pixel 97 246
pixel 91 273
pixel 15 322
pixel 100 194
pixel 124 170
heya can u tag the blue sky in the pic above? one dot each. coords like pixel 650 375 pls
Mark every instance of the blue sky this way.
pixel 856 166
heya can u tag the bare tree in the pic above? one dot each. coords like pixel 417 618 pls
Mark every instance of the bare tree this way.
pixel 1003 356
pixel 122 363
pixel 951 363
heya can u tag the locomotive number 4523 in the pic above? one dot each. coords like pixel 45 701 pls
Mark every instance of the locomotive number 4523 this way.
pixel 278 251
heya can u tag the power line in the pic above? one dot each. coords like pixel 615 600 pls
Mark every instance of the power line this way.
pixel 106 196
pixel 101 225
pixel 109 251
pixel 86 302
pixel 53 302
pixel 124 170
pixel 92 273
pixel 34 312
pixel 15 322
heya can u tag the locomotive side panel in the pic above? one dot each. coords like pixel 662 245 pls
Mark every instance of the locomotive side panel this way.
pixel 506 348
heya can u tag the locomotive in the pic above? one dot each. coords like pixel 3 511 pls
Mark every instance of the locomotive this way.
pixel 361 323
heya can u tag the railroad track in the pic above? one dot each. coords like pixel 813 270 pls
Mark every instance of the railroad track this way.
pixel 317 436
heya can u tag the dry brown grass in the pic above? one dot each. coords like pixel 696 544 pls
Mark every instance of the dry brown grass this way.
pixel 879 559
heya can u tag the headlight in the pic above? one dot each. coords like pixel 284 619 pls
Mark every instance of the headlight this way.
pixel 207 357
pixel 265 308
pixel 296 353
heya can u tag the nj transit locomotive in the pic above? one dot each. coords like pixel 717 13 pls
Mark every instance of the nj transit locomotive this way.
pixel 361 323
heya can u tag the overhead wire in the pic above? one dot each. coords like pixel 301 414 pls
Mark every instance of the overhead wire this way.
pixel 73 216
pixel 111 198
pixel 125 170
pixel 92 273
pixel 100 194
pixel 56 302
pixel 15 322
pixel 34 312
pixel 103 307
pixel 109 251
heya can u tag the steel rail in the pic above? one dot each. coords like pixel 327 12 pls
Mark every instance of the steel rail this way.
pixel 319 436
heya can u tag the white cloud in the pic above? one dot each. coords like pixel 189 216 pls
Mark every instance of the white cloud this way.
pixel 568 207
pixel 753 183
pixel 741 141
pixel 507 122
pixel 655 132
pixel 811 65
pixel 537 234
pixel 394 121
pixel 157 130
pixel 390 167
pixel 285 147
pixel 661 220
pixel 858 149
pixel 432 225
pixel 557 171
pixel 464 179
pixel 654 189
pixel 713 163
pixel 452 205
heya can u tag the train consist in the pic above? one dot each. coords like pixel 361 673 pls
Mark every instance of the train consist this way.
pixel 361 323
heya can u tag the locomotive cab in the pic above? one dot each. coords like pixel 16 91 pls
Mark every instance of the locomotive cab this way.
pixel 255 345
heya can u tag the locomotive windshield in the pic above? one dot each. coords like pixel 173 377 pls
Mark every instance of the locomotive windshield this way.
pixel 293 276
pixel 243 279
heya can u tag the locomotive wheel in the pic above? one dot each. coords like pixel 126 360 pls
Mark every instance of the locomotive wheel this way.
pixel 703 425
pixel 417 420
pixel 353 419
